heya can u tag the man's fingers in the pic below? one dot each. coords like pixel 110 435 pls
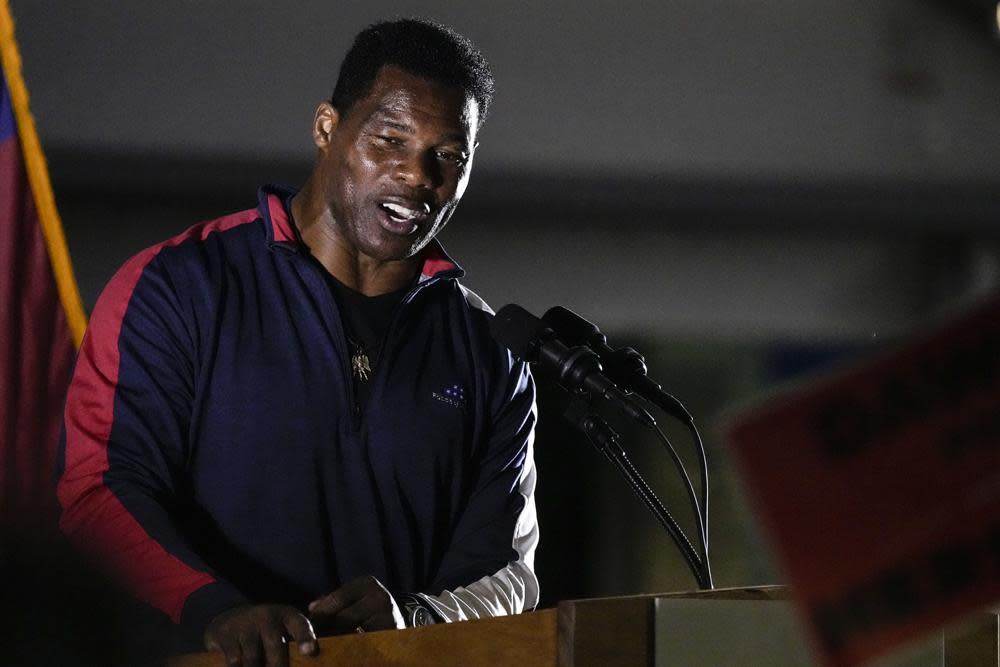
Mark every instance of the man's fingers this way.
pixel 231 650
pixel 275 649
pixel 350 618
pixel 251 650
pixel 372 612
pixel 373 617
pixel 360 603
pixel 328 605
pixel 255 636
pixel 300 630
pixel 344 597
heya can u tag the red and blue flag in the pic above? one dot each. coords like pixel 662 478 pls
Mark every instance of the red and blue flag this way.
pixel 41 316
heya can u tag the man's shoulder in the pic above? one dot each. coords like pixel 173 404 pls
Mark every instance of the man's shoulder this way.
pixel 474 301
pixel 170 257
pixel 189 239
pixel 481 316
pixel 203 231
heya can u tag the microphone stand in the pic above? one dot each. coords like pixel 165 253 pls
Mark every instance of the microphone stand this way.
pixel 629 365
pixel 606 440
pixel 627 368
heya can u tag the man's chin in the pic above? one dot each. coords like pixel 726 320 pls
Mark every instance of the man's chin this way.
pixel 396 249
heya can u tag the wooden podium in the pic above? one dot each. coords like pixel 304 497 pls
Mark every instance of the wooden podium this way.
pixel 605 632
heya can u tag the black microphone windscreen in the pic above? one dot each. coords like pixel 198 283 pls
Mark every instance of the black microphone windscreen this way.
pixel 570 327
pixel 517 330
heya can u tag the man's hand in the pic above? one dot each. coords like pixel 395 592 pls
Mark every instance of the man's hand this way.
pixel 254 636
pixel 360 604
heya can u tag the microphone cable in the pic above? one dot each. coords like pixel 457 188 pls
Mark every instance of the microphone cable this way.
pixel 698 509
pixel 606 440
pixel 627 367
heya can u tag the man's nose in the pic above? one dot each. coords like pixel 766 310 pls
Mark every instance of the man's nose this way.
pixel 419 170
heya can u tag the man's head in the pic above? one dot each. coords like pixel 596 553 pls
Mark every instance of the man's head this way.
pixel 428 50
pixel 397 141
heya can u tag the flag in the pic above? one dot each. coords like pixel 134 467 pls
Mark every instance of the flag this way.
pixel 41 317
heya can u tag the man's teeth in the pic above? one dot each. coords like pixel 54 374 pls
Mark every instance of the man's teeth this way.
pixel 401 211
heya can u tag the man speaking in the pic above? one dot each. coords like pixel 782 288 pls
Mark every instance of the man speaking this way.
pixel 293 419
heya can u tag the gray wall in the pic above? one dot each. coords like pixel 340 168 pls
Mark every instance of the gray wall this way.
pixel 844 139
pixel 826 88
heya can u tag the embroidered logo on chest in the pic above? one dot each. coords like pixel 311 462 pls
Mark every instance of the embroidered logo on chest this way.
pixel 453 395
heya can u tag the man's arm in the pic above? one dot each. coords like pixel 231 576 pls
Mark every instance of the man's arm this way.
pixel 489 568
pixel 126 443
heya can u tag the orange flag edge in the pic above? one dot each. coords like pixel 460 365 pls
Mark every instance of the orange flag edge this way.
pixel 38 177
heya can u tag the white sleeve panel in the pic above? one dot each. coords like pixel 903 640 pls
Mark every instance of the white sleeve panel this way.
pixel 514 588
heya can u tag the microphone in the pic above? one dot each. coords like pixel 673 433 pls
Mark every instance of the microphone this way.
pixel 625 366
pixel 577 368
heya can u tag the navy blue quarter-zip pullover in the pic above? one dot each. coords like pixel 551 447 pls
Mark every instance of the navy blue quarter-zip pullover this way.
pixel 214 453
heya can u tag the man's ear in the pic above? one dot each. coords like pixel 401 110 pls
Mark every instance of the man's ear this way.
pixel 324 123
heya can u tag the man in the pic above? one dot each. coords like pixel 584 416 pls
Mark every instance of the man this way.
pixel 294 416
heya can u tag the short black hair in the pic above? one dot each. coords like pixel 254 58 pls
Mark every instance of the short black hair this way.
pixel 420 47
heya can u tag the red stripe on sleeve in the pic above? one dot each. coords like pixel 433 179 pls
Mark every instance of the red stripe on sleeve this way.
pixel 95 520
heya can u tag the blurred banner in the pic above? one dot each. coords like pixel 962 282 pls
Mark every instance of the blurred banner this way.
pixel 41 317
pixel 880 488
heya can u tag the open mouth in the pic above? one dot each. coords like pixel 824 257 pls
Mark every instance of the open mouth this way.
pixel 404 218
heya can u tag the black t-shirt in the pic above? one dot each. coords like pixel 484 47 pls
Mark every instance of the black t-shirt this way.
pixel 366 320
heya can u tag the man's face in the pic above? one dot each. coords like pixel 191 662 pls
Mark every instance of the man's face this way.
pixel 394 167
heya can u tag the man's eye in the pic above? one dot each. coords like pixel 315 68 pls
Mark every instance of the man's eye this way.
pixel 388 140
pixel 454 158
